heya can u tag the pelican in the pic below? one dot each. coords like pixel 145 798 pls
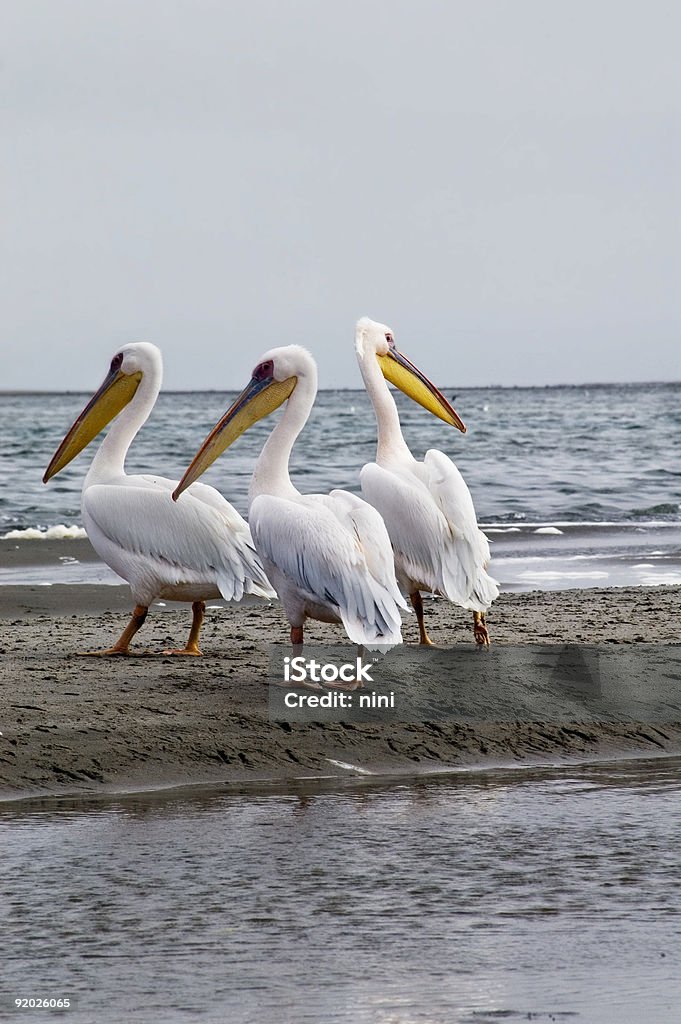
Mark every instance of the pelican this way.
pixel 328 555
pixel 193 552
pixel 426 506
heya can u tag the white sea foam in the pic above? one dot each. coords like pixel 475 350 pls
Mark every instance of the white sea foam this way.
pixel 644 524
pixel 59 532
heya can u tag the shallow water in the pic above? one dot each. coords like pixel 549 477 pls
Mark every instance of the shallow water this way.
pixel 536 894
pixel 523 558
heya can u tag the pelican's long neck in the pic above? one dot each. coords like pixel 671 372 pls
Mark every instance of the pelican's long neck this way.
pixel 390 439
pixel 271 475
pixel 109 462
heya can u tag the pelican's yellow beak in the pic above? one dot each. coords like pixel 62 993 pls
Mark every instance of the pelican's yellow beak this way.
pixel 259 398
pixel 114 394
pixel 408 378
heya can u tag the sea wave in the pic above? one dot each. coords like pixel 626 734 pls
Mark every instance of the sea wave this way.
pixel 58 532
pixel 579 524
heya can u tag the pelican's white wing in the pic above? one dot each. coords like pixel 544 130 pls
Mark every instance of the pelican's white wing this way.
pixel 429 514
pixel 335 552
pixel 158 544
pixel 369 528
pixel 453 498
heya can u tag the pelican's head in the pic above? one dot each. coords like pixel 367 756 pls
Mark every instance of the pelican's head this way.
pixel 130 364
pixel 376 341
pixel 272 382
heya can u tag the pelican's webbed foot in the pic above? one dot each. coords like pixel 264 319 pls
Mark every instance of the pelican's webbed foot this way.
pixel 192 649
pixel 107 652
pixel 122 646
pixel 480 631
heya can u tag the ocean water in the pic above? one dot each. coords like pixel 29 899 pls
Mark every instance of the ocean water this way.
pixel 528 895
pixel 575 486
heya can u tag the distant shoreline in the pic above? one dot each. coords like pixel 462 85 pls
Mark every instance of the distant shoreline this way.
pixel 589 385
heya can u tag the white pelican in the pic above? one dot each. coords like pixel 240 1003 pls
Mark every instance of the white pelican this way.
pixel 426 506
pixel 328 555
pixel 193 552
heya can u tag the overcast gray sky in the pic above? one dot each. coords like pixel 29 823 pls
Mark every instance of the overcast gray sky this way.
pixel 499 181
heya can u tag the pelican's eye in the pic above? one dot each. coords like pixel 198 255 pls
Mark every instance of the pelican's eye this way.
pixel 117 362
pixel 264 371
pixel 389 338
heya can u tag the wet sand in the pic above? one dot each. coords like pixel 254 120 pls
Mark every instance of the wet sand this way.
pixel 85 725
pixel 15 553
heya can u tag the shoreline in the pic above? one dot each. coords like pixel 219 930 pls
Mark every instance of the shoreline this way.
pixel 525 557
pixel 329 782
pixel 80 727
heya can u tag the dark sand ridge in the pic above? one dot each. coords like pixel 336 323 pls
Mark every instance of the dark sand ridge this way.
pixel 78 725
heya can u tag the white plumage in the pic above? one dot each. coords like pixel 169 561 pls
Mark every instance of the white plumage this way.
pixel 426 506
pixel 330 561
pixel 199 550
pixel 429 514
pixel 328 556
pixel 194 552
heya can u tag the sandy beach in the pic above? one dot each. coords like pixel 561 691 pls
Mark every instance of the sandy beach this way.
pixel 83 725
